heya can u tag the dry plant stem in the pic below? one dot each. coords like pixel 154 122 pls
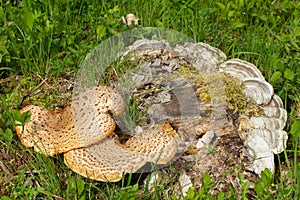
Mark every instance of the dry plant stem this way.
pixel 31 92
pixel 7 79
pixel 4 168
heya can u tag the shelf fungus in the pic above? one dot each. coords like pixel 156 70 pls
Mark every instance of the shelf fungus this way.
pixel 58 131
pixel 109 159
pixel 192 107
pixel 263 133
pixel 87 141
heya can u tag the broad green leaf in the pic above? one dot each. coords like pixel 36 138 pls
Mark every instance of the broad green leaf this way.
pixel 82 197
pixel 241 177
pixel 159 24
pixel 8 135
pixel 230 14
pixel 28 17
pixel 206 180
pixel 221 195
pixel 263 17
pixel 275 76
pixel 276 62
pixel 101 31
pixel 16 115
pixel 114 10
pixel 80 186
pixel 267 177
pixel 221 6
pixel 239 25
pixel 5 198
pixel 25 117
pixel 71 183
pixel 190 193
pixel 295 130
pixel 289 74
pixel 258 188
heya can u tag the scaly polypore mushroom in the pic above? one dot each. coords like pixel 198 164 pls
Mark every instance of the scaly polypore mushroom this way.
pixel 56 131
pixel 108 160
pixel 85 142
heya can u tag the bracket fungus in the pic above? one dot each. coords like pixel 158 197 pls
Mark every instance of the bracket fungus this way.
pixel 169 77
pixel 57 131
pixel 109 159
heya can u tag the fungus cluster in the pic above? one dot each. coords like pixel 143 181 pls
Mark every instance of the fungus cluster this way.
pixel 92 148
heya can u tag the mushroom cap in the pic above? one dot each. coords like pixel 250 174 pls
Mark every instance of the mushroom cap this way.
pixel 260 91
pixel 261 153
pixel 129 19
pixel 158 144
pixel 108 159
pixel 49 132
pixel 60 130
pixel 241 69
pixel 91 108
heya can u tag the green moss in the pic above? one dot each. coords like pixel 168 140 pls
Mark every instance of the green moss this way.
pixel 203 94
pixel 188 72
pixel 236 100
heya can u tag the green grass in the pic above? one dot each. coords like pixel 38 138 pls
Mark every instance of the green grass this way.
pixel 47 40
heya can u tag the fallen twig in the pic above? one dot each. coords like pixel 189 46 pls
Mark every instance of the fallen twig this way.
pixel 31 92
pixel 4 168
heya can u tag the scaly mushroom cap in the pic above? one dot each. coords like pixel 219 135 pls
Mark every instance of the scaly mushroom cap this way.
pixel 49 132
pixel 158 144
pixel 58 131
pixel 92 106
pixel 109 159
